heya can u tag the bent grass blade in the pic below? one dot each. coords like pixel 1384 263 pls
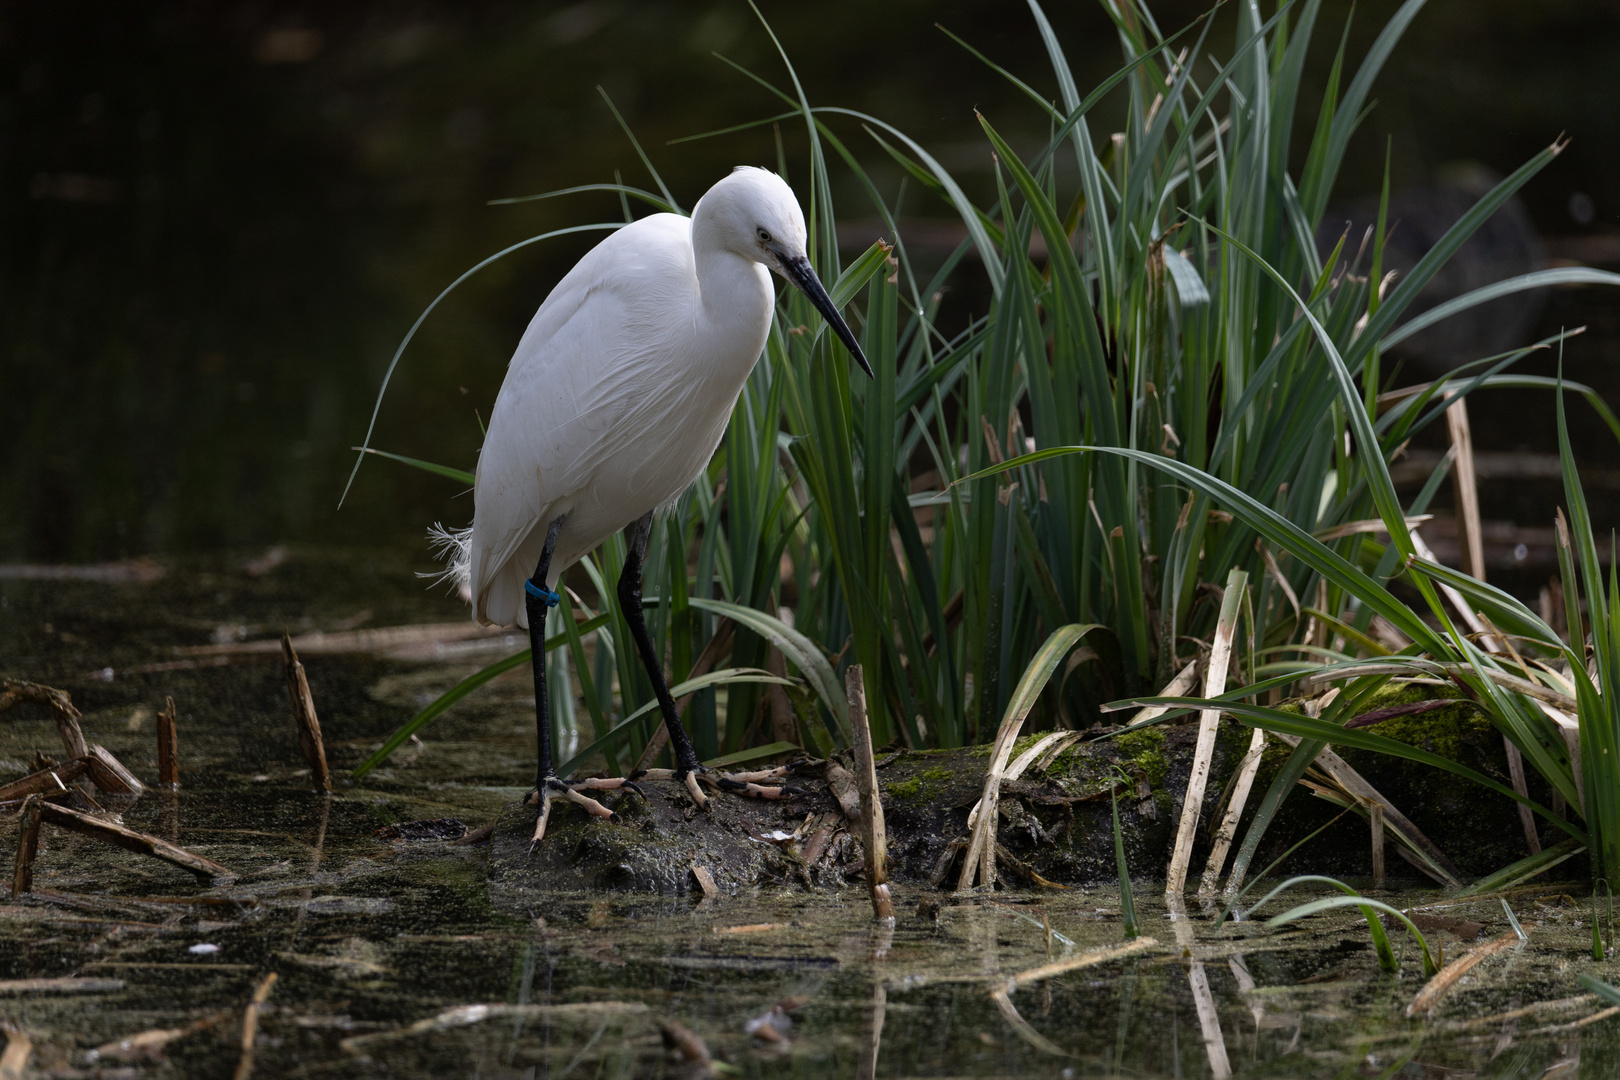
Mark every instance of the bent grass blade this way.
pixel 459 691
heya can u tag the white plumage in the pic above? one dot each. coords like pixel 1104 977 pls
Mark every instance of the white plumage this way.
pixel 622 385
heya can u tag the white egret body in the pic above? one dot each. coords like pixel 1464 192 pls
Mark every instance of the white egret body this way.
pixel 621 388
pixel 613 404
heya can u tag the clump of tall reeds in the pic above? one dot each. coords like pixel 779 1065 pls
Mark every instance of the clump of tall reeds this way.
pixel 1203 392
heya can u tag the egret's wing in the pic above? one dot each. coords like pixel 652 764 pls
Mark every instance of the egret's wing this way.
pixel 585 371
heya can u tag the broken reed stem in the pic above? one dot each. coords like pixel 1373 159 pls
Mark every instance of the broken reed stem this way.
pixel 45 782
pixel 109 774
pixel 1376 814
pixel 250 1025
pixel 22 879
pixel 309 725
pixel 1220 657
pixel 130 840
pixel 1247 768
pixel 874 837
pixel 168 746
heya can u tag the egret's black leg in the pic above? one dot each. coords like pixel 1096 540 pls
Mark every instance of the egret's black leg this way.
pixel 537 600
pixel 687 766
pixel 547 788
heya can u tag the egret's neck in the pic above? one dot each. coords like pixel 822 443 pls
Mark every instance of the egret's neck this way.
pixel 734 292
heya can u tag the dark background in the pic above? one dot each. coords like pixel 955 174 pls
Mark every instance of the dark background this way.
pixel 217 220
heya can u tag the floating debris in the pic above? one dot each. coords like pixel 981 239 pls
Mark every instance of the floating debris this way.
pixel 771 1026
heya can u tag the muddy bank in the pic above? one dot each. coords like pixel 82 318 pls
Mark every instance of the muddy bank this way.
pixel 1055 825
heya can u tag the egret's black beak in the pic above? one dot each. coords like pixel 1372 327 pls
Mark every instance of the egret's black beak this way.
pixel 803 275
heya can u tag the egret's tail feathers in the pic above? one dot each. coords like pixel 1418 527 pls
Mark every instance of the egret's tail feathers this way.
pixel 454 548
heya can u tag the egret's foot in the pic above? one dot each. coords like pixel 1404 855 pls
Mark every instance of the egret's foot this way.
pixel 555 789
pixel 745 784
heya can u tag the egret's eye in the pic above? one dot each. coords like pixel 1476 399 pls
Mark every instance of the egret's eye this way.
pixel 764 237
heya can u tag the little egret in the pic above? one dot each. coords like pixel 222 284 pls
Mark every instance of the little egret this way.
pixel 612 405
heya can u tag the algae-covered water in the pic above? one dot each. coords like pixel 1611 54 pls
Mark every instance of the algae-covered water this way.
pixel 393 958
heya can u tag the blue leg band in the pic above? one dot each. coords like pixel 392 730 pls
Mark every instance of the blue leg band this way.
pixel 545 596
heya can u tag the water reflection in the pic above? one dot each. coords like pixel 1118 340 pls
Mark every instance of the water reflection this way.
pixel 393 959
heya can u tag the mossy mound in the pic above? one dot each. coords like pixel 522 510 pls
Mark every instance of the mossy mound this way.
pixel 1056 823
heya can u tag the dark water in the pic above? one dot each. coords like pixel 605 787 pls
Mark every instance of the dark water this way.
pixel 394 959
pixel 217 221
pixel 216 224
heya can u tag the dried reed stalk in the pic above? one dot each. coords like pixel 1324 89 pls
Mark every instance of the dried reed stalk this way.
pixel 22 879
pixel 130 840
pixel 309 725
pixel 1220 657
pixel 1471 545
pixel 1247 768
pixel 109 774
pixel 1376 814
pixel 1354 789
pixel 1465 489
pixel 48 782
pixel 874 836
pixel 168 739
pixel 250 1025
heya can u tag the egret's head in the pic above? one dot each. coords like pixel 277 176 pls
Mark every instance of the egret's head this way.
pixel 753 213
